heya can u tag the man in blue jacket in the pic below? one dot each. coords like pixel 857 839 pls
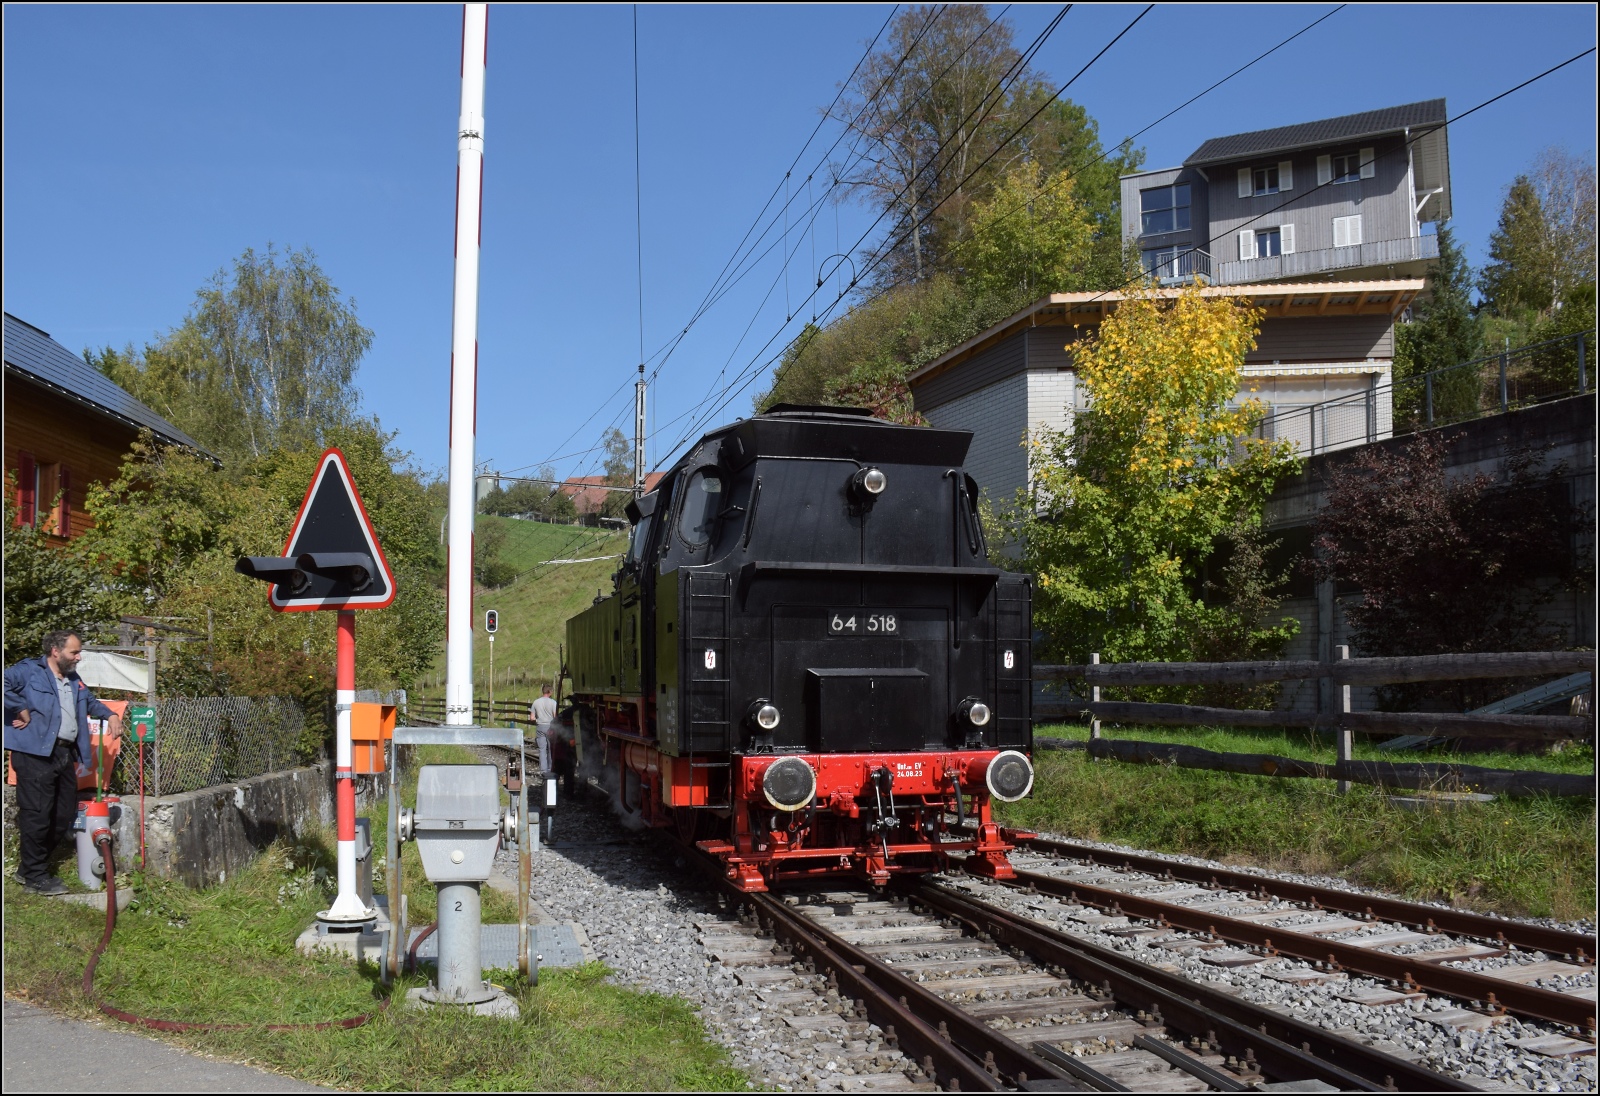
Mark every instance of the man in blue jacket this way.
pixel 47 731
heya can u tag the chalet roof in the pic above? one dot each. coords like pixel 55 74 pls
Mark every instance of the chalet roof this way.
pixel 1348 127
pixel 34 355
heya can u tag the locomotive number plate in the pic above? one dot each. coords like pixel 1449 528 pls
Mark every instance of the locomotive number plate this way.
pixel 862 622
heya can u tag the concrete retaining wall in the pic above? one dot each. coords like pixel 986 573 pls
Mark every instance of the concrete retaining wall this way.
pixel 201 837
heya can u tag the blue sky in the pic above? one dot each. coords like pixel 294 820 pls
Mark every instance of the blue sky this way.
pixel 145 147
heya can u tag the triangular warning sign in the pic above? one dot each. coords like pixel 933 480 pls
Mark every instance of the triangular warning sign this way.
pixel 334 523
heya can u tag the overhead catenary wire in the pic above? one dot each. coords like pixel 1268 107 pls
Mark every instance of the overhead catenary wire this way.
pixel 883 252
pixel 743 266
pixel 738 248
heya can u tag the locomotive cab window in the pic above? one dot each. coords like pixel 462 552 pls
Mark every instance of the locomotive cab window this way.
pixel 702 502
pixel 638 538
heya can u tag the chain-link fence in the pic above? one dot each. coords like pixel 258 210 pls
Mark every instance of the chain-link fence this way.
pixel 201 741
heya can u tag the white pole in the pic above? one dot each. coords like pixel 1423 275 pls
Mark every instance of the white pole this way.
pixel 638 435
pixel 464 366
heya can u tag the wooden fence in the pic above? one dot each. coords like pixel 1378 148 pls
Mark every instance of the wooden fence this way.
pixel 1343 672
pixel 503 713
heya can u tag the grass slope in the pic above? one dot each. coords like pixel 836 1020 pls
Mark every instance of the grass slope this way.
pixel 1532 857
pixel 226 954
pixel 534 608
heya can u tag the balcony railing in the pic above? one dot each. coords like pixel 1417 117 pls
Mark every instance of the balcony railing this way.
pixel 1301 264
pixel 1485 386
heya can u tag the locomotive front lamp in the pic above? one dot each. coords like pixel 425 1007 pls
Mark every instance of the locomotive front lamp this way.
pixel 765 714
pixel 975 712
pixel 870 482
pixel 1009 776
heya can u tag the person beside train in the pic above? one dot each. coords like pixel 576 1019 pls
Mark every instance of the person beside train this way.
pixel 543 713
pixel 47 731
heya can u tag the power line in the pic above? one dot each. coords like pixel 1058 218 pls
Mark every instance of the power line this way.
pixel 734 257
pixel 883 252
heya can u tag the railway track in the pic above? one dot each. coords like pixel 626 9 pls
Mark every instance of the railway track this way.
pixel 1489 964
pixel 968 996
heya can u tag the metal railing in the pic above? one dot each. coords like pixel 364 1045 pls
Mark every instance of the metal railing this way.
pixel 1503 382
pixel 209 740
pixel 1297 264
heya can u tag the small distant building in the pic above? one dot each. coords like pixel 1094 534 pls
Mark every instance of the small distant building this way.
pixel 66 426
pixel 1317 341
pixel 589 493
pixel 1343 198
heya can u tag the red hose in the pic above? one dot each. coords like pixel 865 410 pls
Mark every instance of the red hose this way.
pixel 178 1025
pixel 411 952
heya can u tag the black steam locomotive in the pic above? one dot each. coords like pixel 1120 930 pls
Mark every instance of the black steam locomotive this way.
pixel 808 660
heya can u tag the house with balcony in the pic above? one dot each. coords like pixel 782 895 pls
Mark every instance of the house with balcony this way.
pixel 1353 198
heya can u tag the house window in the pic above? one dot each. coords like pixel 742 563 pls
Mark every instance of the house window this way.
pixel 1164 209
pixel 1269 242
pixel 1266 180
pixel 1347 231
pixel 1347 167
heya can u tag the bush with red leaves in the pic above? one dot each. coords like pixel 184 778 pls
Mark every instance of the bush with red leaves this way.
pixel 1450 564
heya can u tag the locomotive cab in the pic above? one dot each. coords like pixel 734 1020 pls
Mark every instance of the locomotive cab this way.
pixel 808 660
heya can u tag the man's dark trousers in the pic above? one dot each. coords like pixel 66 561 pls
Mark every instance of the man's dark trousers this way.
pixel 47 804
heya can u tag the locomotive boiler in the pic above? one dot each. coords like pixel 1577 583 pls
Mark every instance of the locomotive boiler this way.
pixel 807 662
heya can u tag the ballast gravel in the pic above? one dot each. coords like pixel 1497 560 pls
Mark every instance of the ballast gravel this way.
pixel 639 907
pixel 1492 1058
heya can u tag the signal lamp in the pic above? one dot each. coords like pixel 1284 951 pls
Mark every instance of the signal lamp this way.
pixel 765 714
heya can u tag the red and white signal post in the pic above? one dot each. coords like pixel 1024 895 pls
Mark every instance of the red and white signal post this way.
pixel 332 561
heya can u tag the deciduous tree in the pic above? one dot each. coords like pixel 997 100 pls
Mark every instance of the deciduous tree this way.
pixel 267 358
pixel 1126 506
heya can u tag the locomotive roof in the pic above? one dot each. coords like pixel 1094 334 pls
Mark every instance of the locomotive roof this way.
pixel 791 430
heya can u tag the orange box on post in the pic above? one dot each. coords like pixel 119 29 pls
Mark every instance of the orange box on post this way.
pixel 371 728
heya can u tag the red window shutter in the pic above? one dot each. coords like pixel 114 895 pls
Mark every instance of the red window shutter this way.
pixel 64 511
pixel 27 484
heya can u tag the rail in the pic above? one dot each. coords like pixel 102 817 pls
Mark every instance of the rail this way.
pixel 1516 378
pixel 1344 723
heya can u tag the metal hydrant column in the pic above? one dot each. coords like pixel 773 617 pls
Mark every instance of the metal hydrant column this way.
pixel 347 904
pixel 460 942
pixel 464 366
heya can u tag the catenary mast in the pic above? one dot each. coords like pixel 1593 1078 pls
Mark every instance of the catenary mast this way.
pixel 464 365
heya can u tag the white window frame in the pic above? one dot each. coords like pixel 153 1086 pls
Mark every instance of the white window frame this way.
pixel 1261 235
